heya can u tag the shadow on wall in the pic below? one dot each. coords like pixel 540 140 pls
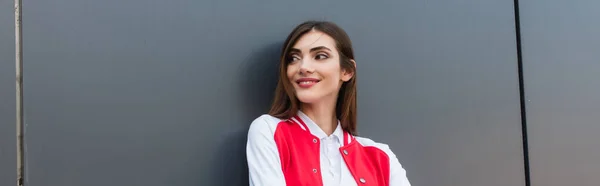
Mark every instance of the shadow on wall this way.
pixel 258 81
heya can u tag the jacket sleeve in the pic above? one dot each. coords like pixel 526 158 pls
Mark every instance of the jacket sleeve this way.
pixel 264 164
pixel 397 172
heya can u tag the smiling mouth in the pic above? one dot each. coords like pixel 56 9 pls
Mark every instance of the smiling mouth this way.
pixel 307 82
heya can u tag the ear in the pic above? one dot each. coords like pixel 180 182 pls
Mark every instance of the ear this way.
pixel 347 75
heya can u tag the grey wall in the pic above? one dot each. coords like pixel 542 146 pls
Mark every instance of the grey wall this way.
pixel 8 160
pixel 438 81
pixel 162 92
pixel 8 155
pixel 562 66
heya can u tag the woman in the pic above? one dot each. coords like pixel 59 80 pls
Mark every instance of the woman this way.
pixel 308 136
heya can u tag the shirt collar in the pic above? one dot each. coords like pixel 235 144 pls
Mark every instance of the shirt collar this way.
pixel 318 132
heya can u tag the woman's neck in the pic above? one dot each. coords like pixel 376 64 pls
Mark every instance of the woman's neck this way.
pixel 323 114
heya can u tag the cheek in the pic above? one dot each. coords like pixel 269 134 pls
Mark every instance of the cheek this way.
pixel 290 72
pixel 332 72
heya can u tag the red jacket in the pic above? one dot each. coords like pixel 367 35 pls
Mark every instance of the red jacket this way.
pixel 286 152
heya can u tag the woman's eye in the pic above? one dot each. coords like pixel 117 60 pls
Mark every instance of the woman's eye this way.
pixel 321 56
pixel 294 58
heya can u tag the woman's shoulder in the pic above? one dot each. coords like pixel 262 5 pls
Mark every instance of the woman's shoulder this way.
pixel 379 146
pixel 263 125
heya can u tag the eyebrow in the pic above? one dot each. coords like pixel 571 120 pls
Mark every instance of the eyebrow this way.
pixel 311 50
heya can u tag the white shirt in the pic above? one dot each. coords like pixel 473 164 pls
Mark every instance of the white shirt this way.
pixel 265 167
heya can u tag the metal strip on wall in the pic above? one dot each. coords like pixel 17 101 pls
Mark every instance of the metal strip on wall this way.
pixel 19 91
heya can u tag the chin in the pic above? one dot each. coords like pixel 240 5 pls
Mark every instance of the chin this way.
pixel 307 97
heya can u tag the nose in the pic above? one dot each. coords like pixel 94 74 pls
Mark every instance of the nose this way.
pixel 306 67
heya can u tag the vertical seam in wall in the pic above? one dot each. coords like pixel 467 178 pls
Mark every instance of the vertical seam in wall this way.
pixel 522 94
pixel 19 91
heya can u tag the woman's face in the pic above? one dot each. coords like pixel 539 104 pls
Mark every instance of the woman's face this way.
pixel 314 68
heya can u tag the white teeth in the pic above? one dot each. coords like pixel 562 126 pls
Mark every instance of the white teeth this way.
pixel 307 82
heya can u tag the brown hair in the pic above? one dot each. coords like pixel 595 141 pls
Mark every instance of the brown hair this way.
pixel 285 104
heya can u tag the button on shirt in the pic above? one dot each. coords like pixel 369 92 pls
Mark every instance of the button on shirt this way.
pixel 331 158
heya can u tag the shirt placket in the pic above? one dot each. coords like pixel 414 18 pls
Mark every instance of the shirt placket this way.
pixel 332 148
